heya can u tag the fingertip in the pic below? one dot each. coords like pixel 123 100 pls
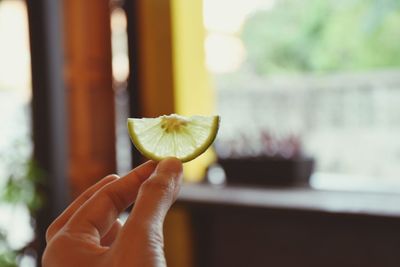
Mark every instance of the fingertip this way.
pixel 142 172
pixel 151 162
pixel 111 177
pixel 169 165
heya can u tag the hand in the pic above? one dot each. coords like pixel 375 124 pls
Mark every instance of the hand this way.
pixel 89 234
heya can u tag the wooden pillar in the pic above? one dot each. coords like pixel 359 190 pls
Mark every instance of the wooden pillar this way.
pixel 151 82
pixel 48 111
pixel 88 74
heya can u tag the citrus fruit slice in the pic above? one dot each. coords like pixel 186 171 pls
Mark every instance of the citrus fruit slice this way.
pixel 173 136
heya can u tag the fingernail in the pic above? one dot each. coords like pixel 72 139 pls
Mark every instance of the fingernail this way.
pixel 171 167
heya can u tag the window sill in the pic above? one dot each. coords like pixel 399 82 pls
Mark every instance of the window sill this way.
pixel 304 199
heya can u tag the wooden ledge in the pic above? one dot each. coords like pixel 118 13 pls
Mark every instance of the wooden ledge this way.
pixel 303 199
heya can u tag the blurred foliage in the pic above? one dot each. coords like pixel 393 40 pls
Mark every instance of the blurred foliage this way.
pixel 7 255
pixel 22 178
pixel 21 186
pixel 23 175
pixel 324 36
pixel 7 258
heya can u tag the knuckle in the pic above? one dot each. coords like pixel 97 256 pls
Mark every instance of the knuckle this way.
pixel 111 177
pixel 53 228
pixel 49 232
pixel 86 196
pixel 116 199
pixel 159 183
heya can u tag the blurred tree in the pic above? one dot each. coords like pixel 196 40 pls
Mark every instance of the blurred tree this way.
pixel 20 189
pixel 324 36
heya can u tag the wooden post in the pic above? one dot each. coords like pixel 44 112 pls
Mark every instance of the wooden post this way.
pixel 88 74
pixel 48 111
pixel 150 81
pixel 149 33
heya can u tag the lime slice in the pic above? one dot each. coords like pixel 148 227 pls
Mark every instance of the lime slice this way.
pixel 173 136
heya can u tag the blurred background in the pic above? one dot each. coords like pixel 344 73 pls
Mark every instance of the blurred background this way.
pixel 309 98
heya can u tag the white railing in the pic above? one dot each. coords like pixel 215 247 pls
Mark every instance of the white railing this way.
pixel 349 122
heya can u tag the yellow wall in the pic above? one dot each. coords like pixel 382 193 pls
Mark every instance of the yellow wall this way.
pixel 192 87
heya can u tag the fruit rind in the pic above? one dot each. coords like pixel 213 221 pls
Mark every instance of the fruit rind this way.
pixel 200 150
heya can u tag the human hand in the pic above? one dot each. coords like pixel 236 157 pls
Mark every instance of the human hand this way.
pixel 89 234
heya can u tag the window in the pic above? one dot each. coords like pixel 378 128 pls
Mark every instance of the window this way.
pixel 120 66
pixel 323 72
pixel 15 142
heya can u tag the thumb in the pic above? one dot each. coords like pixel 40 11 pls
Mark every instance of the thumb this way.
pixel 156 195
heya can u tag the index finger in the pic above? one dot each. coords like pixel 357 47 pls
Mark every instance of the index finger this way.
pixel 98 214
pixel 74 206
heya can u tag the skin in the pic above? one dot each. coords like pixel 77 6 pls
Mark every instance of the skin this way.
pixel 88 232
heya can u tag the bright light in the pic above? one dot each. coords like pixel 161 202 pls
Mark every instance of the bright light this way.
pixel 15 219
pixel 14 46
pixel 224 53
pixel 216 175
pixel 120 66
pixel 228 16
pixel 120 61
pixel 224 20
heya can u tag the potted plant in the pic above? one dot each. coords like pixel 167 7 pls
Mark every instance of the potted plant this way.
pixel 268 159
